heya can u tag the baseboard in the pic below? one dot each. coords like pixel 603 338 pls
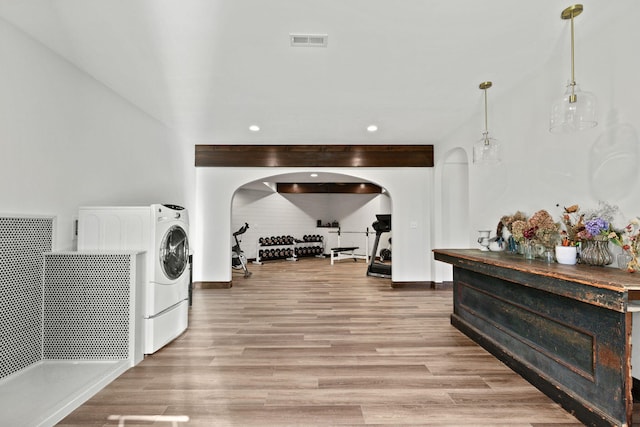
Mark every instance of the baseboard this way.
pixel 429 285
pixel 443 285
pixel 212 285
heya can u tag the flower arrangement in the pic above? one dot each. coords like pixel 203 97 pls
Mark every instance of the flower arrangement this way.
pixel 590 230
pixel 573 222
pixel 629 241
pixel 538 229
pixel 597 223
pixel 508 220
pixel 546 231
pixel 506 226
pixel 590 225
pixel 519 229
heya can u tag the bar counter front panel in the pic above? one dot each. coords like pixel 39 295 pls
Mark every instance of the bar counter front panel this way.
pixel 566 329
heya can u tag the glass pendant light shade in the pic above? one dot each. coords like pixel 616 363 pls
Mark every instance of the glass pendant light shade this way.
pixel 487 150
pixel 568 116
pixel 575 110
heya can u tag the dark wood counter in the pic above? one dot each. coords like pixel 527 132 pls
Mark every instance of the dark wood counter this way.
pixel 566 329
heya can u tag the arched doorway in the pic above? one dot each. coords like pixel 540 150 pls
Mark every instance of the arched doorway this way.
pixel 330 207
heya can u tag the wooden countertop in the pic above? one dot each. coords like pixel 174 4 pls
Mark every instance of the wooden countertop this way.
pixel 609 278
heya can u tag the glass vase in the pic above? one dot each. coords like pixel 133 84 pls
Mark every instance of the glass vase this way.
pixel 529 249
pixel 628 262
pixel 596 251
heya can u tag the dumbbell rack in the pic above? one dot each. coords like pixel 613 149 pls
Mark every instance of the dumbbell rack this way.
pixel 289 248
pixel 311 245
pixel 273 248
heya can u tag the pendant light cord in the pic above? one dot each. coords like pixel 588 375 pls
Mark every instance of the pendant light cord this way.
pixel 572 97
pixel 486 120
pixel 573 72
pixel 486 115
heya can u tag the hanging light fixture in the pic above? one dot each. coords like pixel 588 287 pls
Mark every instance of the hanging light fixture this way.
pixel 575 110
pixel 487 150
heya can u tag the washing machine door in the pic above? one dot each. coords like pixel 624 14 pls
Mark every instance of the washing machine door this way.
pixel 174 252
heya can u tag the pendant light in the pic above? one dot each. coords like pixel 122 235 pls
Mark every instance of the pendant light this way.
pixel 575 110
pixel 487 150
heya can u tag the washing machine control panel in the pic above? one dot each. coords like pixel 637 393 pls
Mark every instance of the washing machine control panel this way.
pixel 174 207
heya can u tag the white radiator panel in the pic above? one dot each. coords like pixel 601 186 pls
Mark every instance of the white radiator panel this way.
pixel 23 240
pixel 92 306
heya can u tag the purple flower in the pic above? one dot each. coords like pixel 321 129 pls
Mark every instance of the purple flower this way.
pixel 596 226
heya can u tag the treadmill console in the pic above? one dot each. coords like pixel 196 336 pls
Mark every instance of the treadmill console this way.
pixel 383 224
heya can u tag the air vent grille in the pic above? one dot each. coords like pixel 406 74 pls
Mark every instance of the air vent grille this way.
pixel 308 40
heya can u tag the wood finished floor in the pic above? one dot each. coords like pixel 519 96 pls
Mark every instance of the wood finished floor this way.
pixel 310 344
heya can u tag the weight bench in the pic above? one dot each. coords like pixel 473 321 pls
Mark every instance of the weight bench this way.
pixel 336 253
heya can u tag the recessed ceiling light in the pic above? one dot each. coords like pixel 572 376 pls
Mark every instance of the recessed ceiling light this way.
pixel 372 128
pixel 254 128
pixel 314 175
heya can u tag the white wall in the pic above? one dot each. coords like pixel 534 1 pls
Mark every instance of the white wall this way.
pixel 410 190
pixel 356 213
pixel 67 141
pixel 451 212
pixel 541 169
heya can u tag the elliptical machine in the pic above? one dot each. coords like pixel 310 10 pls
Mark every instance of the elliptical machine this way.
pixel 238 259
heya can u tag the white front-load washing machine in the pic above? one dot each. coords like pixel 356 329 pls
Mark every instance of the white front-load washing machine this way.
pixel 162 232
pixel 167 300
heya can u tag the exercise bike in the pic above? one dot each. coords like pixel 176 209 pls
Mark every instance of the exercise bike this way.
pixel 238 259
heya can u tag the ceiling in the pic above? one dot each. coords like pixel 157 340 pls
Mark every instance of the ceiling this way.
pixel 210 68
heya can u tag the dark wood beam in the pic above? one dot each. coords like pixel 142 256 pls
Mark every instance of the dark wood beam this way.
pixel 314 155
pixel 328 187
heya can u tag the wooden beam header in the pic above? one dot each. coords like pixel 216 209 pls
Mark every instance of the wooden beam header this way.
pixel 314 155
pixel 328 187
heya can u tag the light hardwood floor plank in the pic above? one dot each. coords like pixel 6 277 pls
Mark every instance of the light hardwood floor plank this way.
pixel 309 344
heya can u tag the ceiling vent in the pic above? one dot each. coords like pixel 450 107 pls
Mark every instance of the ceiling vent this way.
pixel 308 40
